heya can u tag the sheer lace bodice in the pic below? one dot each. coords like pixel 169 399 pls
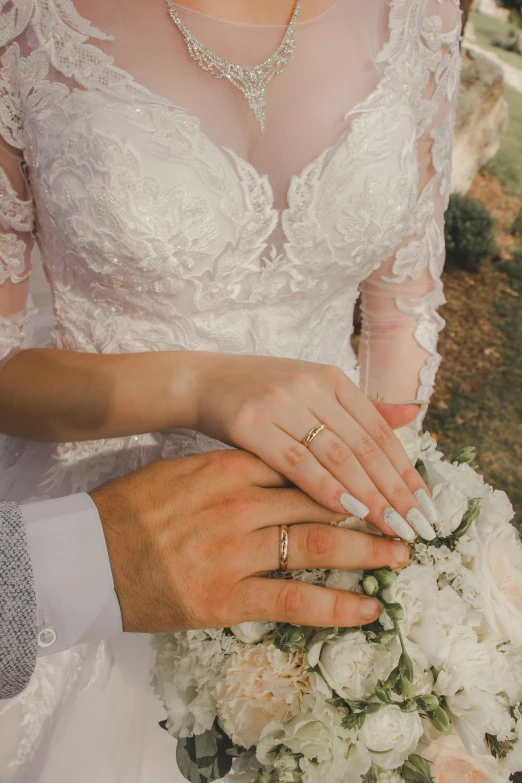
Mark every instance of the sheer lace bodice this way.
pixel 166 220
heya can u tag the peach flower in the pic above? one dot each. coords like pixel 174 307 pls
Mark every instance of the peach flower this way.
pixel 451 764
pixel 259 684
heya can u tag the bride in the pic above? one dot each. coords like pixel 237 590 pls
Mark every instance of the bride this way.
pixel 206 228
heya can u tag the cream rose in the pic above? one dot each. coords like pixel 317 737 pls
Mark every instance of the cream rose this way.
pixel 352 666
pixel 259 684
pixel 451 764
pixel 250 633
pixel 391 735
pixel 498 565
pixel 316 733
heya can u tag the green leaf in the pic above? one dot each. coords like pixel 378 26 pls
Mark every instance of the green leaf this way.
pixel 205 757
pixel 471 515
pixel 467 455
pixel 402 686
pixel 382 694
pixel 416 770
pixel 393 678
pixel 373 707
pixel 387 637
pixel 353 721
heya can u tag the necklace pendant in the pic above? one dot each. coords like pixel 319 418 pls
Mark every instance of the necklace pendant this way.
pixel 257 102
pixel 252 81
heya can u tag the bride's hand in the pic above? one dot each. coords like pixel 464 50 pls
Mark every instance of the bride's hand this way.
pixel 357 465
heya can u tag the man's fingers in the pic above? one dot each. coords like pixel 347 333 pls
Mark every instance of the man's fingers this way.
pixel 291 601
pixel 323 546
pixel 290 507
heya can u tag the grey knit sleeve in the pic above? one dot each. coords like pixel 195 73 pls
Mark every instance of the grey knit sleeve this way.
pixel 17 604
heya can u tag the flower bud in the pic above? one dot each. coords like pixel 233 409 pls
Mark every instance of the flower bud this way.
pixel 370 585
pixel 394 611
pixel 289 638
pixel 409 706
pixel 264 777
pixel 385 578
pixel 440 720
pixel 428 703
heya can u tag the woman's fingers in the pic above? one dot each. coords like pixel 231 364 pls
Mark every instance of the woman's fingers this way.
pixel 288 456
pixel 299 603
pixel 323 546
pixel 369 419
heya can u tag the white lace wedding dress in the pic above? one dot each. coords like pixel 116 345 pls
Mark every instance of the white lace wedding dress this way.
pixel 167 221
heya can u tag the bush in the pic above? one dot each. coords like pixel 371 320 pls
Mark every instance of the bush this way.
pixel 469 231
pixel 516 228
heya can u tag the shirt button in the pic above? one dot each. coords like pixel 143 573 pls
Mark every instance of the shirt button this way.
pixel 46 636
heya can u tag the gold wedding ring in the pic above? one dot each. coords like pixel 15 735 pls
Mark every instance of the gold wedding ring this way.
pixel 283 548
pixel 314 432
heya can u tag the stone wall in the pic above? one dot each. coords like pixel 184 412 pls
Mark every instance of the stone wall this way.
pixel 482 118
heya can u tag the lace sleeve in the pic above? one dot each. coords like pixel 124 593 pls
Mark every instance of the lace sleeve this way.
pixel 16 212
pixel 398 353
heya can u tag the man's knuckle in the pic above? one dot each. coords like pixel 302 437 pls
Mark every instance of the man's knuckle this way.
pixel 319 541
pixel 292 599
pixel 339 609
pixel 334 375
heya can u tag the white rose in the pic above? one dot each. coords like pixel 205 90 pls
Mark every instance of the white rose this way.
pixel 317 734
pixel 451 505
pixel 250 633
pixel 259 684
pixel 462 477
pixel 185 675
pixel 475 713
pixel 472 664
pixel 352 666
pixel 345 580
pixel 391 735
pixel 513 761
pixel 498 566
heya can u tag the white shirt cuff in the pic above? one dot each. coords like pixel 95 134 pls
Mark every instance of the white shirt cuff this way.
pixel 75 596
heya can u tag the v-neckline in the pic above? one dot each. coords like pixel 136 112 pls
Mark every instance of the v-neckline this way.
pixel 328 152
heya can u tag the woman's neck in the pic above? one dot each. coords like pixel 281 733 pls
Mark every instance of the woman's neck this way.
pixel 262 12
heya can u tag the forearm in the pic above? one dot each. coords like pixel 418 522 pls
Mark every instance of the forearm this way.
pixel 61 396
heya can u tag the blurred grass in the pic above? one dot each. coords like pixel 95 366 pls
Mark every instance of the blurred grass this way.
pixel 507 163
pixel 485 28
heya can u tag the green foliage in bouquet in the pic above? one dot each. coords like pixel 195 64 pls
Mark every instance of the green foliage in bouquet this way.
pixel 469 231
pixel 206 757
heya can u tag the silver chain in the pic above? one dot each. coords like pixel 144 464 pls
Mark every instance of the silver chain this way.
pixel 251 80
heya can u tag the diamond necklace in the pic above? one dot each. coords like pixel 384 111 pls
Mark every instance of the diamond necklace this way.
pixel 251 80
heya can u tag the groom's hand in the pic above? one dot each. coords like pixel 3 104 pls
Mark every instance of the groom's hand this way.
pixel 191 541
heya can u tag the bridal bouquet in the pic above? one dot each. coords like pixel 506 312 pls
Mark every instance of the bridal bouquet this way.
pixel 430 692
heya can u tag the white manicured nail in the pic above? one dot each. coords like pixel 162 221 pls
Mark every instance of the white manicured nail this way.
pixel 353 506
pixel 427 505
pixel 421 524
pixel 398 524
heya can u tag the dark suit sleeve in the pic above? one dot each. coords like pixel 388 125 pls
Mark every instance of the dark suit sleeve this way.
pixel 17 604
